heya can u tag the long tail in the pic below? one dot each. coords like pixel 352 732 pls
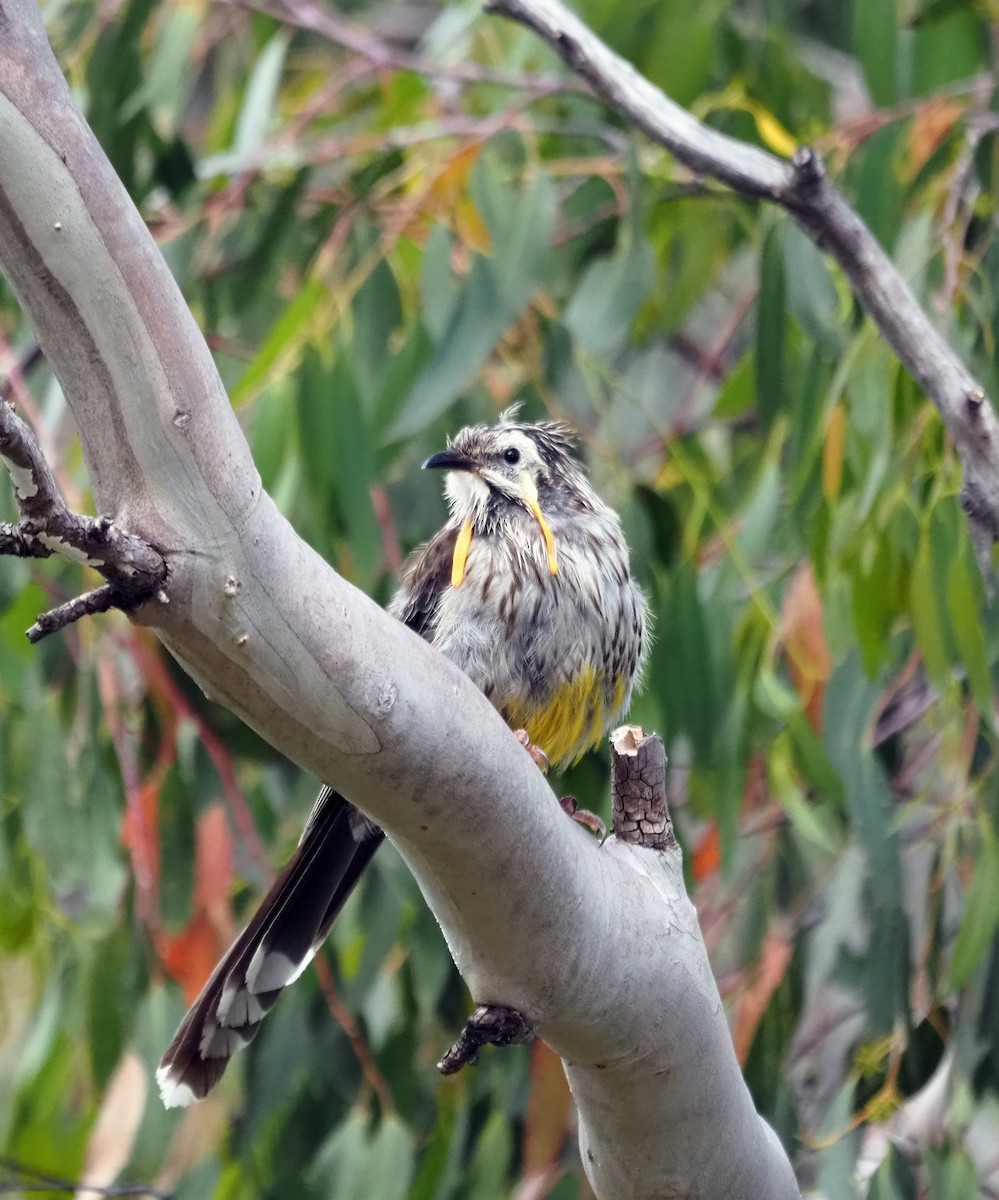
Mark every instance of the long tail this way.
pixel 272 951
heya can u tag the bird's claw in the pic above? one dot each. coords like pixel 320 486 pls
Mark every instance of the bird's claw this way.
pixel 583 816
pixel 538 755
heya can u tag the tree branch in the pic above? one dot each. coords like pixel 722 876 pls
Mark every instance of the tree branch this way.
pixel 135 571
pixel 801 187
pixel 598 947
pixel 383 55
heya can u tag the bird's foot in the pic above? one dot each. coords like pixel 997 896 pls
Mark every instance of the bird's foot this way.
pixel 583 816
pixel 538 755
pixel 489 1025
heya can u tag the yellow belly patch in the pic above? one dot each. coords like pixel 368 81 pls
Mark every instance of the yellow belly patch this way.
pixel 571 721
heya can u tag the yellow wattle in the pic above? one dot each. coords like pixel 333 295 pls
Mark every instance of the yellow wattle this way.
pixel 530 495
pixel 461 544
pixel 549 540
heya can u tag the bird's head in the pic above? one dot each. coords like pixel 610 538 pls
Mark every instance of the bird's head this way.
pixel 492 467
pixel 493 470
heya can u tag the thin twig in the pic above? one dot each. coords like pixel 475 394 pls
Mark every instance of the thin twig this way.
pixel 344 1018
pixel 23 1178
pixel 383 55
pixel 133 569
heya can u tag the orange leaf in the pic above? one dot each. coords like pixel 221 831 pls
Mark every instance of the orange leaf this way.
pixel 190 956
pixel 933 122
pixel 549 1112
pixel 707 854
pixel 805 642
pixel 213 871
pixel 140 829
pixel 770 971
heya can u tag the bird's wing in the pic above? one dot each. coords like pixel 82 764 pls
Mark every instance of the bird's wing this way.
pixel 427 574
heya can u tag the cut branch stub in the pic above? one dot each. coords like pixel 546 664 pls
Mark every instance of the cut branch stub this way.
pixel 638 789
pixel 135 571
pixel 489 1025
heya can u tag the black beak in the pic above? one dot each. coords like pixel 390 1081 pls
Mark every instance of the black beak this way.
pixel 449 460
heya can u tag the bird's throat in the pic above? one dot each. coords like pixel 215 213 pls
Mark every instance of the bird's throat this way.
pixel 464 539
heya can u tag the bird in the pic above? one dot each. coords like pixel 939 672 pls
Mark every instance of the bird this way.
pixel 528 588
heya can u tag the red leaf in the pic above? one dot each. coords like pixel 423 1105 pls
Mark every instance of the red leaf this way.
pixel 707 853
pixel 549 1113
pixel 775 957
pixel 190 956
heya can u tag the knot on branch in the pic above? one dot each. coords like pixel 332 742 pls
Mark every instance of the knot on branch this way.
pixel 806 167
pixel 806 175
pixel 134 570
pixel 640 813
pixel 489 1025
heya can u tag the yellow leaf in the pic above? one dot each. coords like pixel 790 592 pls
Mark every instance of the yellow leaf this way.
pixel 773 133
pixel 833 451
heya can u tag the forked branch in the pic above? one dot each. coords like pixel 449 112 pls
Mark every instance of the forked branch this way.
pixel 134 570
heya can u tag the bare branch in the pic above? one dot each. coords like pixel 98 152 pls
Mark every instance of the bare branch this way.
pixel 135 571
pixel 100 600
pixel 383 55
pixel 800 187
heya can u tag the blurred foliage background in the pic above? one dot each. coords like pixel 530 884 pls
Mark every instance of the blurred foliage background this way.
pixel 391 219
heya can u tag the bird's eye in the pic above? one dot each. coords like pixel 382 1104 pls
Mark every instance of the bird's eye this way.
pixel 512 455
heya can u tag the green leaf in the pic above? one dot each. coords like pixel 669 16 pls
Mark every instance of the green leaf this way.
pixel 850 700
pixel 17 655
pixel 949 48
pixel 601 310
pixel 811 293
pixel 283 346
pixel 377 313
pixel 441 1157
pixel 809 818
pixel 477 323
pixel 928 615
pixel 771 320
pixel 439 287
pixel 166 80
pixel 521 225
pixel 491 1159
pixel 875 36
pixel 692 25
pixel 682 647
pixel 260 97
pixel 359 1161
pixel 964 608
pixel 980 919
